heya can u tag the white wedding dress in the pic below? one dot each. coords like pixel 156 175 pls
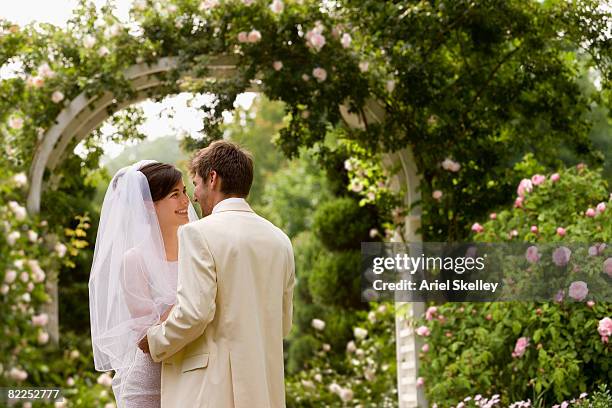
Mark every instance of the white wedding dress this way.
pixel 130 287
pixel 139 385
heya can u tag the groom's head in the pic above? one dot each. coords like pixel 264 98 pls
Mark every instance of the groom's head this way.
pixel 219 171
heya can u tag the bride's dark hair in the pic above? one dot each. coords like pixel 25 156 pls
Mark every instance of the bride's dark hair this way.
pixel 162 178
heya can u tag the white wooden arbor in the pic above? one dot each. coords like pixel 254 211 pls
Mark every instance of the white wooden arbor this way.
pixel 84 114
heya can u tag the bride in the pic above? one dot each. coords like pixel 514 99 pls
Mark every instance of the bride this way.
pixel 133 279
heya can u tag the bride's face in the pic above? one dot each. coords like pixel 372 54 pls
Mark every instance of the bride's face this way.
pixel 172 209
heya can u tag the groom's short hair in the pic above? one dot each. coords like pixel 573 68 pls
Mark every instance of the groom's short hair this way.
pixel 233 164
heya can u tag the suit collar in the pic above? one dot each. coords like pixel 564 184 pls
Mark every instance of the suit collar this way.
pixel 232 204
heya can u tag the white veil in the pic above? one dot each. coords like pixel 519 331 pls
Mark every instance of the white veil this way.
pixel 131 284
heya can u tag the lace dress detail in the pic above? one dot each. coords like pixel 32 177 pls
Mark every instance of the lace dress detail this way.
pixel 139 386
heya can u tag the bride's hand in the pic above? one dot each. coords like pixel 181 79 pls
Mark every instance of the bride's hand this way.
pixel 165 315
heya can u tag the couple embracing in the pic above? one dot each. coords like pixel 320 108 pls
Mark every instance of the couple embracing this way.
pixel 188 312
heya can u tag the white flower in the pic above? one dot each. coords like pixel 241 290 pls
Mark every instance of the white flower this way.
pixel 254 36
pixel 113 30
pixel 13 237
pixel 105 380
pixel 450 165
pixel 277 6
pixel 15 122
pixel 20 179
pixel 390 85
pixel 4 289
pixel 18 374
pixel 308 384
pixel 320 74
pixel 57 97
pixel 140 5
pixel 334 388
pixel 172 8
pixel 359 352
pixel 373 232
pixel 70 381
pixel 26 297
pixel 356 186
pixel 348 165
pixel 326 347
pixel 10 276
pixel 277 65
pixel 360 333
pixel 43 337
pixel 318 377
pixel 32 236
pixel 305 77
pixel 346 394
pixel 60 249
pixel 318 324
pixel 103 51
pixel 24 277
pixel 248 2
pixel 346 40
pixel 89 41
pixel 351 347
pixel 208 4
pixel 74 354
pixel 364 66
pixel 372 317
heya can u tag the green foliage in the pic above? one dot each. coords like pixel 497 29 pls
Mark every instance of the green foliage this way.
pixel 471 346
pixel 335 279
pixel 359 371
pixel 342 224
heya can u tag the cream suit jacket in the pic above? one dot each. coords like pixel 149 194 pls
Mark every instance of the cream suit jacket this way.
pixel 222 344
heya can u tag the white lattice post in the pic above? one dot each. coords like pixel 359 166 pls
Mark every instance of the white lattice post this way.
pixel 407 343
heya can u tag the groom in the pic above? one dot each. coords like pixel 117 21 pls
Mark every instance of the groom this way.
pixel 222 344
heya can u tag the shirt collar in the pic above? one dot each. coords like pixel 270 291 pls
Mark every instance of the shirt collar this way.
pixel 232 204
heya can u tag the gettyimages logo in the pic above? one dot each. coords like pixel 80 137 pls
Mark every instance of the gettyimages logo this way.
pixel 486 272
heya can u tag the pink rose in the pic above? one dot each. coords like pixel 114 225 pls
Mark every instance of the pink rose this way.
pixel 346 40
pixel 532 254
pixel 254 36
pixel 589 212
pixel 561 231
pixel 316 40
pixel 430 313
pixel 420 382
pixel 555 177
pixel 538 179
pixel 561 256
pixel 518 203
pixel 520 347
pixel 477 228
pixel 436 195
pixel 493 216
pixel 278 65
pixel 605 329
pixel 40 320
pixel 578 290
pixel 525 186
pixel 243 37
pixel 320 74
pixel 423 331
pixel 607 267
pixel 425 348
pixel 534 229
pixel 601 207
pixel 590 303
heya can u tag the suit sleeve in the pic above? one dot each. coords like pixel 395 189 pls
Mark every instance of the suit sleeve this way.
pixel 196 294
pixel 288 293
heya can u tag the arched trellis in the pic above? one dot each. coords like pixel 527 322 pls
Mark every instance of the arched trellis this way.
pixel 84 114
